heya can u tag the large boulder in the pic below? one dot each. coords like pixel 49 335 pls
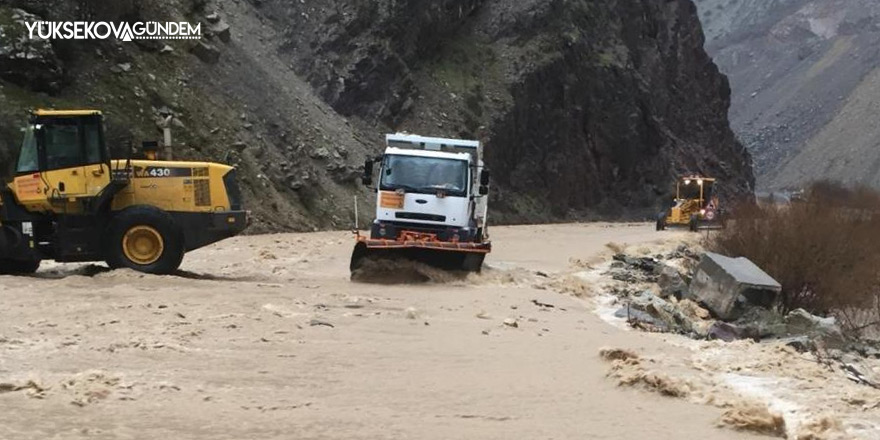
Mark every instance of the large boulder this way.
pixel 671 282
pixel 30 63
pixel 801 322
pixel 648 309
pixel 206 52
pixel 756 323
pixel 729 287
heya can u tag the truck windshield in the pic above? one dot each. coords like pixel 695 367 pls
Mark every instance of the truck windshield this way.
pixel 427 175
pixel 28 157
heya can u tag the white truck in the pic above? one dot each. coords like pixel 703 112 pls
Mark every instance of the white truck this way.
pixel 431 204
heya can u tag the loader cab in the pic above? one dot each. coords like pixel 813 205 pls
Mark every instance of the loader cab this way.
pixel 66 151
pixel 696 189
pixel 58 140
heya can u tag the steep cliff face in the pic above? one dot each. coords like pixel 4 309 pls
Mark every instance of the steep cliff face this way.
pixel 628 101
pixel 587 107
pixel 803 73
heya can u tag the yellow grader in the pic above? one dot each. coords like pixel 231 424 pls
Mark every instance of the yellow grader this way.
pixel 70 202
pixel 696 205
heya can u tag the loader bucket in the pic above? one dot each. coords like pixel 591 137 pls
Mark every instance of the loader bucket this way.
pixel 467 257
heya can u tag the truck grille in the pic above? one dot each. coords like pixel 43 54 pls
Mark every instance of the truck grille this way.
pixel 423 217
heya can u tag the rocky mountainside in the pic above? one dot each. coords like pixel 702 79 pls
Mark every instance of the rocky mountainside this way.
pixel 588 108
pixel 806 79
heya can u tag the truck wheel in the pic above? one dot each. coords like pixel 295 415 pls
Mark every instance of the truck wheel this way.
pixel 18 267
pixel 473 263
pixel 146 239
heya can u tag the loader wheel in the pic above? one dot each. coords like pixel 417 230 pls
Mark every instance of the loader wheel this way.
pixel 18 267
pixel 694 224
pixel 146 239
pixel 661 222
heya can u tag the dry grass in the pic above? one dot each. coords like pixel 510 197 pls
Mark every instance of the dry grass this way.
pixel 824 251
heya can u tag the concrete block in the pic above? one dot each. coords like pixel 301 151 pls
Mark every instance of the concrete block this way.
pixel 730 286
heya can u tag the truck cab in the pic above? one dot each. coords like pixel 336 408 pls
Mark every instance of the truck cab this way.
pixel 431 185
pixel 431 204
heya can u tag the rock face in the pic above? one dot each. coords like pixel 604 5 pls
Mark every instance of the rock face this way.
pixel 587 108
pixel 805 75
pixel 26 62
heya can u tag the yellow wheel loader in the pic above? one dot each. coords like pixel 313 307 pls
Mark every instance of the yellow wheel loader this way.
pixel 70 202
pixel 696 205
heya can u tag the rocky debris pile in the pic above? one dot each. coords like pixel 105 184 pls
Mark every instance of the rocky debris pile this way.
pixel 716 297
pixel 712 297
pixel 641 269
pixel 30 63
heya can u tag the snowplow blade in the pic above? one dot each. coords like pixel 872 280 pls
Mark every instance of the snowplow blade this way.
pixel 448 256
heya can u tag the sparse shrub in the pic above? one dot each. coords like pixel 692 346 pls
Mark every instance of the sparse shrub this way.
pixel 824 251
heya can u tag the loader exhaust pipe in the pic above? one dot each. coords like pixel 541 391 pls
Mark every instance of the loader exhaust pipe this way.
pixel 166 131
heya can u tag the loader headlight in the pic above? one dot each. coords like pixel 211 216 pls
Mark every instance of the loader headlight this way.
pixel 702 212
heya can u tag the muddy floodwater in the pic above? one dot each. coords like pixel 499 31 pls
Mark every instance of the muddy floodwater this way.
pixel 267 337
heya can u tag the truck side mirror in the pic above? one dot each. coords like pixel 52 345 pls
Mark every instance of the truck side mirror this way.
pixel 367 178
pixel 484 178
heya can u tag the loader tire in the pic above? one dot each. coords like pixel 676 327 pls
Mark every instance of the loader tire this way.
pixel 18 267
pixel 661 222
pixel 146 239
pixel 694 224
